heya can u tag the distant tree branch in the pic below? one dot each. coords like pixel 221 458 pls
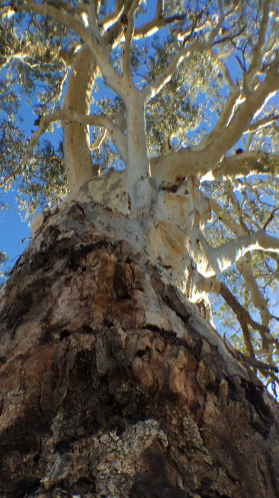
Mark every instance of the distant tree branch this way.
pixel 11 176
pixel 129 31
pixel 153 88
pixel 258 300
pixel 251 105
pixel 227 219
pixel 99 140
pixel 249 77
pixel 92 10
pixel 157 22
pixel 242 315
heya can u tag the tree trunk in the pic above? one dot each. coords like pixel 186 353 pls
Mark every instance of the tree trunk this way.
pixel 113 385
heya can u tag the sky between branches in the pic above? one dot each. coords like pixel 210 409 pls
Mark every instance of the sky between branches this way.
pixel 209 98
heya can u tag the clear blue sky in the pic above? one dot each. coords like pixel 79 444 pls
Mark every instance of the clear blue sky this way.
pixel 12 229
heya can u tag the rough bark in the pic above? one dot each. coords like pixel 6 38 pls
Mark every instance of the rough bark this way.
pixel 113 385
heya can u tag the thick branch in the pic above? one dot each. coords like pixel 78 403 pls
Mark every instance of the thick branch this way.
pixel 247 163
pixel 246 111
pixel 78 162
pixel 212 261
pixel 99 50
pixel 180 163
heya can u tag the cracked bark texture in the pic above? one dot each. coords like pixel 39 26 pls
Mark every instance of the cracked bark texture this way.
pixel 113 385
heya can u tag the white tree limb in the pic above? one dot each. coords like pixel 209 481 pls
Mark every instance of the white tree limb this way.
pixel 99 50
pixel 249 77
pixel 118 138
pixel 77 156
pixel 110 19
pixel 258 300
pixel 246 163
pixel 222 121
pixel 215 260
pixel 99 140
pixel 153 88
pixel 183 162
pixel 128 41
pixel 262 123
pixel 247 110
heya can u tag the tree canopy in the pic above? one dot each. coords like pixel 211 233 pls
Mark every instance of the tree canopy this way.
pixel 182 96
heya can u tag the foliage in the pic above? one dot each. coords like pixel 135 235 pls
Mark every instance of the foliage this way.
pixel 211 70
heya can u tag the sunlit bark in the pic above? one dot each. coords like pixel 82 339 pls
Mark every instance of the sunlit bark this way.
pixel 77 153
pixel 162 194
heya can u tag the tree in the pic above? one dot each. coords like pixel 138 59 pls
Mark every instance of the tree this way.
pixel 193 188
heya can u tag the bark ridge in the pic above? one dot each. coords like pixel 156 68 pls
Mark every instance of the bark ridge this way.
pixel 113 385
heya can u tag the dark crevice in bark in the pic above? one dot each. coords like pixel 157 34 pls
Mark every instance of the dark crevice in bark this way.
pixel 107 387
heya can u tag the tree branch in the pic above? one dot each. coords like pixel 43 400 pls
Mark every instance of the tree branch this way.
pixel 247 163
pixel 157 22
pixel 211 261
pixel 109 20
pixel 99 140
pixel 93 19
pixel 118 138
pixel 99 50
pixel 227 113
pixel 128 40
pixel 153 88
pixel 262 123
pixel 242 315
pixel 249 107
pixel 258 300
pixel 249 77
pixel 228 221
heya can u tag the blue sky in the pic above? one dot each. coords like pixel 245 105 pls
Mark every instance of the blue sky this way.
pixel 12 229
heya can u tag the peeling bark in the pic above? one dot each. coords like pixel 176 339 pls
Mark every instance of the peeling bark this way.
pixel 113 385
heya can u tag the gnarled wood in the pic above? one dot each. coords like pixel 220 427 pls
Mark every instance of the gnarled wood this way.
pixel 113 385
